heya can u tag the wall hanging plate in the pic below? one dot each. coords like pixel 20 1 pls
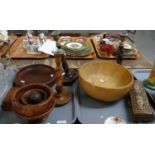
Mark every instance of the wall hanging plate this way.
pixel 37 73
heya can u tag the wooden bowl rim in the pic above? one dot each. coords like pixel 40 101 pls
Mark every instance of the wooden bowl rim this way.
pixel 118 88
pixel 16 79
pixel 34 84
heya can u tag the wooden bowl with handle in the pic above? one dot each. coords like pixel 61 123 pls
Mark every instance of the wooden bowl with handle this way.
pixel 105 81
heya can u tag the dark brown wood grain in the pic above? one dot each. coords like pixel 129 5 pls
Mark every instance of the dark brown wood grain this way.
pixel 37 73
pixel 6 103
pixel 35 112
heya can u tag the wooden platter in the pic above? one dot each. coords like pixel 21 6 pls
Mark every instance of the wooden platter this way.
pixel 103 56
pixel 92 55
pixel 37 73
pixel 4 48
pixel 18 52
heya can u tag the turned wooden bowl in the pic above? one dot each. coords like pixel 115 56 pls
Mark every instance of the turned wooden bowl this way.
pixel 105 81
pixel 34 96
pixel 37 118
pixel 29 111
pixel 36 73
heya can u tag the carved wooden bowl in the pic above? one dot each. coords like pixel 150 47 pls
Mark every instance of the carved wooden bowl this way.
pixel 29 111
pixel 105 81
pixel 34 96
pixel 37 73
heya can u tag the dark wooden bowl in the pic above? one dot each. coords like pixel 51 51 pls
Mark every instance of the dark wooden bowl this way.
pixel 37 118
pixel 33 111
pixel 37 73
pixel 34 96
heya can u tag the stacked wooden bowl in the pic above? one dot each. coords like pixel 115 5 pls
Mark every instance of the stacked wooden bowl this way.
pixel 33 102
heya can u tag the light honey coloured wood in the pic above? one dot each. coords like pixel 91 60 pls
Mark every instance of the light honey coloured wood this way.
pixel 18 52
pixel 142 62
pixel 103 55
pixel 105 81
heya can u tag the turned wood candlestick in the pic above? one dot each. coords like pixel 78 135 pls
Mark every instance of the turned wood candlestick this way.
pixel 70 74
pixel 120 53
pixel 62 96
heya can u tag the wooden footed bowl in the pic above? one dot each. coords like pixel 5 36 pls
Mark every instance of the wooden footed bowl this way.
pixel 105 81
pixel 29 111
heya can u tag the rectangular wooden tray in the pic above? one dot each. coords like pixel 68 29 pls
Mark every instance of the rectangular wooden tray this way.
pixel 98 51
pixel 90 56
pixel 5 47
pixel 18 52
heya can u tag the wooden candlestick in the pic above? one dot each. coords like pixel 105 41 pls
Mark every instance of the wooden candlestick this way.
pixel 70 74
pixel 62 96
pixel 120 53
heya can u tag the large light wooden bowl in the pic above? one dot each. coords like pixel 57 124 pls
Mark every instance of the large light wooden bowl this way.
pixel 105 81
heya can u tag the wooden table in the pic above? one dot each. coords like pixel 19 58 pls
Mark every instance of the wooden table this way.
pixel 140 63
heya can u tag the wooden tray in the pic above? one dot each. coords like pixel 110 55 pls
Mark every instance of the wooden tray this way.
pixel 87 57
pixel 99 54
pixel 5 47
pixel 37 73
pixel 18 52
